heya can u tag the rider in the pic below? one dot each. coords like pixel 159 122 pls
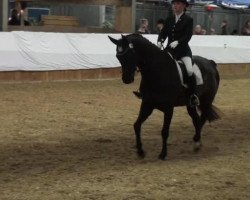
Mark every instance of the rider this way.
pixel 178 28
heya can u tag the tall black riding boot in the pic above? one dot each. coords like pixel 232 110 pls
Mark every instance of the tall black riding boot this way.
pixel 192 93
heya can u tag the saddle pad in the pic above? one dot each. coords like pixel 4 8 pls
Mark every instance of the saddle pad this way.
pixel 197 73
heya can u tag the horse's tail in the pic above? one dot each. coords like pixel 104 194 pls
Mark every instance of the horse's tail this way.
pixel 217 76
pixel 211 113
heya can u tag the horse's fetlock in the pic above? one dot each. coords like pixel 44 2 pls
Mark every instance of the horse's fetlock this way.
pixel 197 146
pixel 141 153
pixel 162 156
pixel 196 138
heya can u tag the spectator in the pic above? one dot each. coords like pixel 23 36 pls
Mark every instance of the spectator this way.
pixel 203 31
pixel 246 28
pixel 14 20
pixel 197 30
pixel 159 25
pixel 212 31
pixel 143 29
pixel 18 7
pixel 18 14
pixel 234 32
pixel 24 13
pixel 224 27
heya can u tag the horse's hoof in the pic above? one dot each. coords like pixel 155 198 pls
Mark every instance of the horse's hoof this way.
pixel 162 157
pixel 197 146
pixel 141 154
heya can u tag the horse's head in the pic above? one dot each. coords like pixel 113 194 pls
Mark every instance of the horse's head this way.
pixel 126 55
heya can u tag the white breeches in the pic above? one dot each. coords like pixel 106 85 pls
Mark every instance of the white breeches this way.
pixel 188 64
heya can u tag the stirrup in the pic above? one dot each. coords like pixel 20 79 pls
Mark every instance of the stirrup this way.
pixel 137 94
pixel 194 100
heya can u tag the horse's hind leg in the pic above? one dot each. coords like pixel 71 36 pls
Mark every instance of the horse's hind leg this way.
pixel 145 111
pixel 198 122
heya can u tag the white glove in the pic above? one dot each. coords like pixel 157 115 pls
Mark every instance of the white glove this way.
pixel 174 44
pixel 160 45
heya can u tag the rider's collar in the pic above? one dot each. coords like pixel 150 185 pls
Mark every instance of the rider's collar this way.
pixel 177 17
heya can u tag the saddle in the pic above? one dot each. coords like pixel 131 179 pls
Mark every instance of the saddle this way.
pixel 183 73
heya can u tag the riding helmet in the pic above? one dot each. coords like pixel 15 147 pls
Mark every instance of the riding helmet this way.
pixel 182 1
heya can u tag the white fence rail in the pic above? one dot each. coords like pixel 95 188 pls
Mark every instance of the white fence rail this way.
pixel 39 51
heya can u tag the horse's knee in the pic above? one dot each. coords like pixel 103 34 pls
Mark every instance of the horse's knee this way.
pixel 137 126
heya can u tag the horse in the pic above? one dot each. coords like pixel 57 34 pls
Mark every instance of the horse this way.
pixel 161 87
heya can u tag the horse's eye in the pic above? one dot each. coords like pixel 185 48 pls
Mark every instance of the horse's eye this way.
pixel 119 49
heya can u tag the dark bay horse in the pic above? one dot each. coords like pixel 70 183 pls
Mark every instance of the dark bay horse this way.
pixel 161 86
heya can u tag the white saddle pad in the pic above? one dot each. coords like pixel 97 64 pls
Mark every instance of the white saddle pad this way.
pixel 197 73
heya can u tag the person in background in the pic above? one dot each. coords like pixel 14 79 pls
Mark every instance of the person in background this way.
pixel 197 30
pixel 246 28
pixel 159 25
pixel 14 20
pixel 223 27
pixel 212 31
pixel 203 31
pixel 143 28
pixel 235 32
pixel 19 14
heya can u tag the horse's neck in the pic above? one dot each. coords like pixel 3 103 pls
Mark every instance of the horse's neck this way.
pixel 158 61
pixel 143 54
pixel 160 72
pixel 151 59
pixel 146 58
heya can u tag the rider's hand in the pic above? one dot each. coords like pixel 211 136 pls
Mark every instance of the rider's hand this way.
pixel 160 45
pixel 174 44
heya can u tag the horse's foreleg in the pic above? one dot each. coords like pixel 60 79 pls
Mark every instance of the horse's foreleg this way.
pixel 198 123
pixel 168 114
pixel 145 111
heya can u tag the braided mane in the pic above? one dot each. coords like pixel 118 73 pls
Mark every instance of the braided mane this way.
pixel 142 44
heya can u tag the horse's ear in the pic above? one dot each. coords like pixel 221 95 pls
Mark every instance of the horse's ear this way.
pixel 113 40
pixel 125 38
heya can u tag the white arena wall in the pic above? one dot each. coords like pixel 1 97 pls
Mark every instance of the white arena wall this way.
pixel 40 56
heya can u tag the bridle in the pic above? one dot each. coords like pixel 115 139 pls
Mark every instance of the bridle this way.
pixel 129 47
pixel 127 57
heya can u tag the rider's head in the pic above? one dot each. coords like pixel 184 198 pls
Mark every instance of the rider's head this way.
pixel 179 6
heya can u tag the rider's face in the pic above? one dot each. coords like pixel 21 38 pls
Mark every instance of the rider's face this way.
pixel 178 7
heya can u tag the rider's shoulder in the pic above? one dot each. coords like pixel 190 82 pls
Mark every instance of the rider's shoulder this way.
pixel 188 17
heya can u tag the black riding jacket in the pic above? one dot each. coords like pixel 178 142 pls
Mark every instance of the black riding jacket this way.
pixel 181 31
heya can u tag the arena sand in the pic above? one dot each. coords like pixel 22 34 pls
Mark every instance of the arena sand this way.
pixel 75 140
